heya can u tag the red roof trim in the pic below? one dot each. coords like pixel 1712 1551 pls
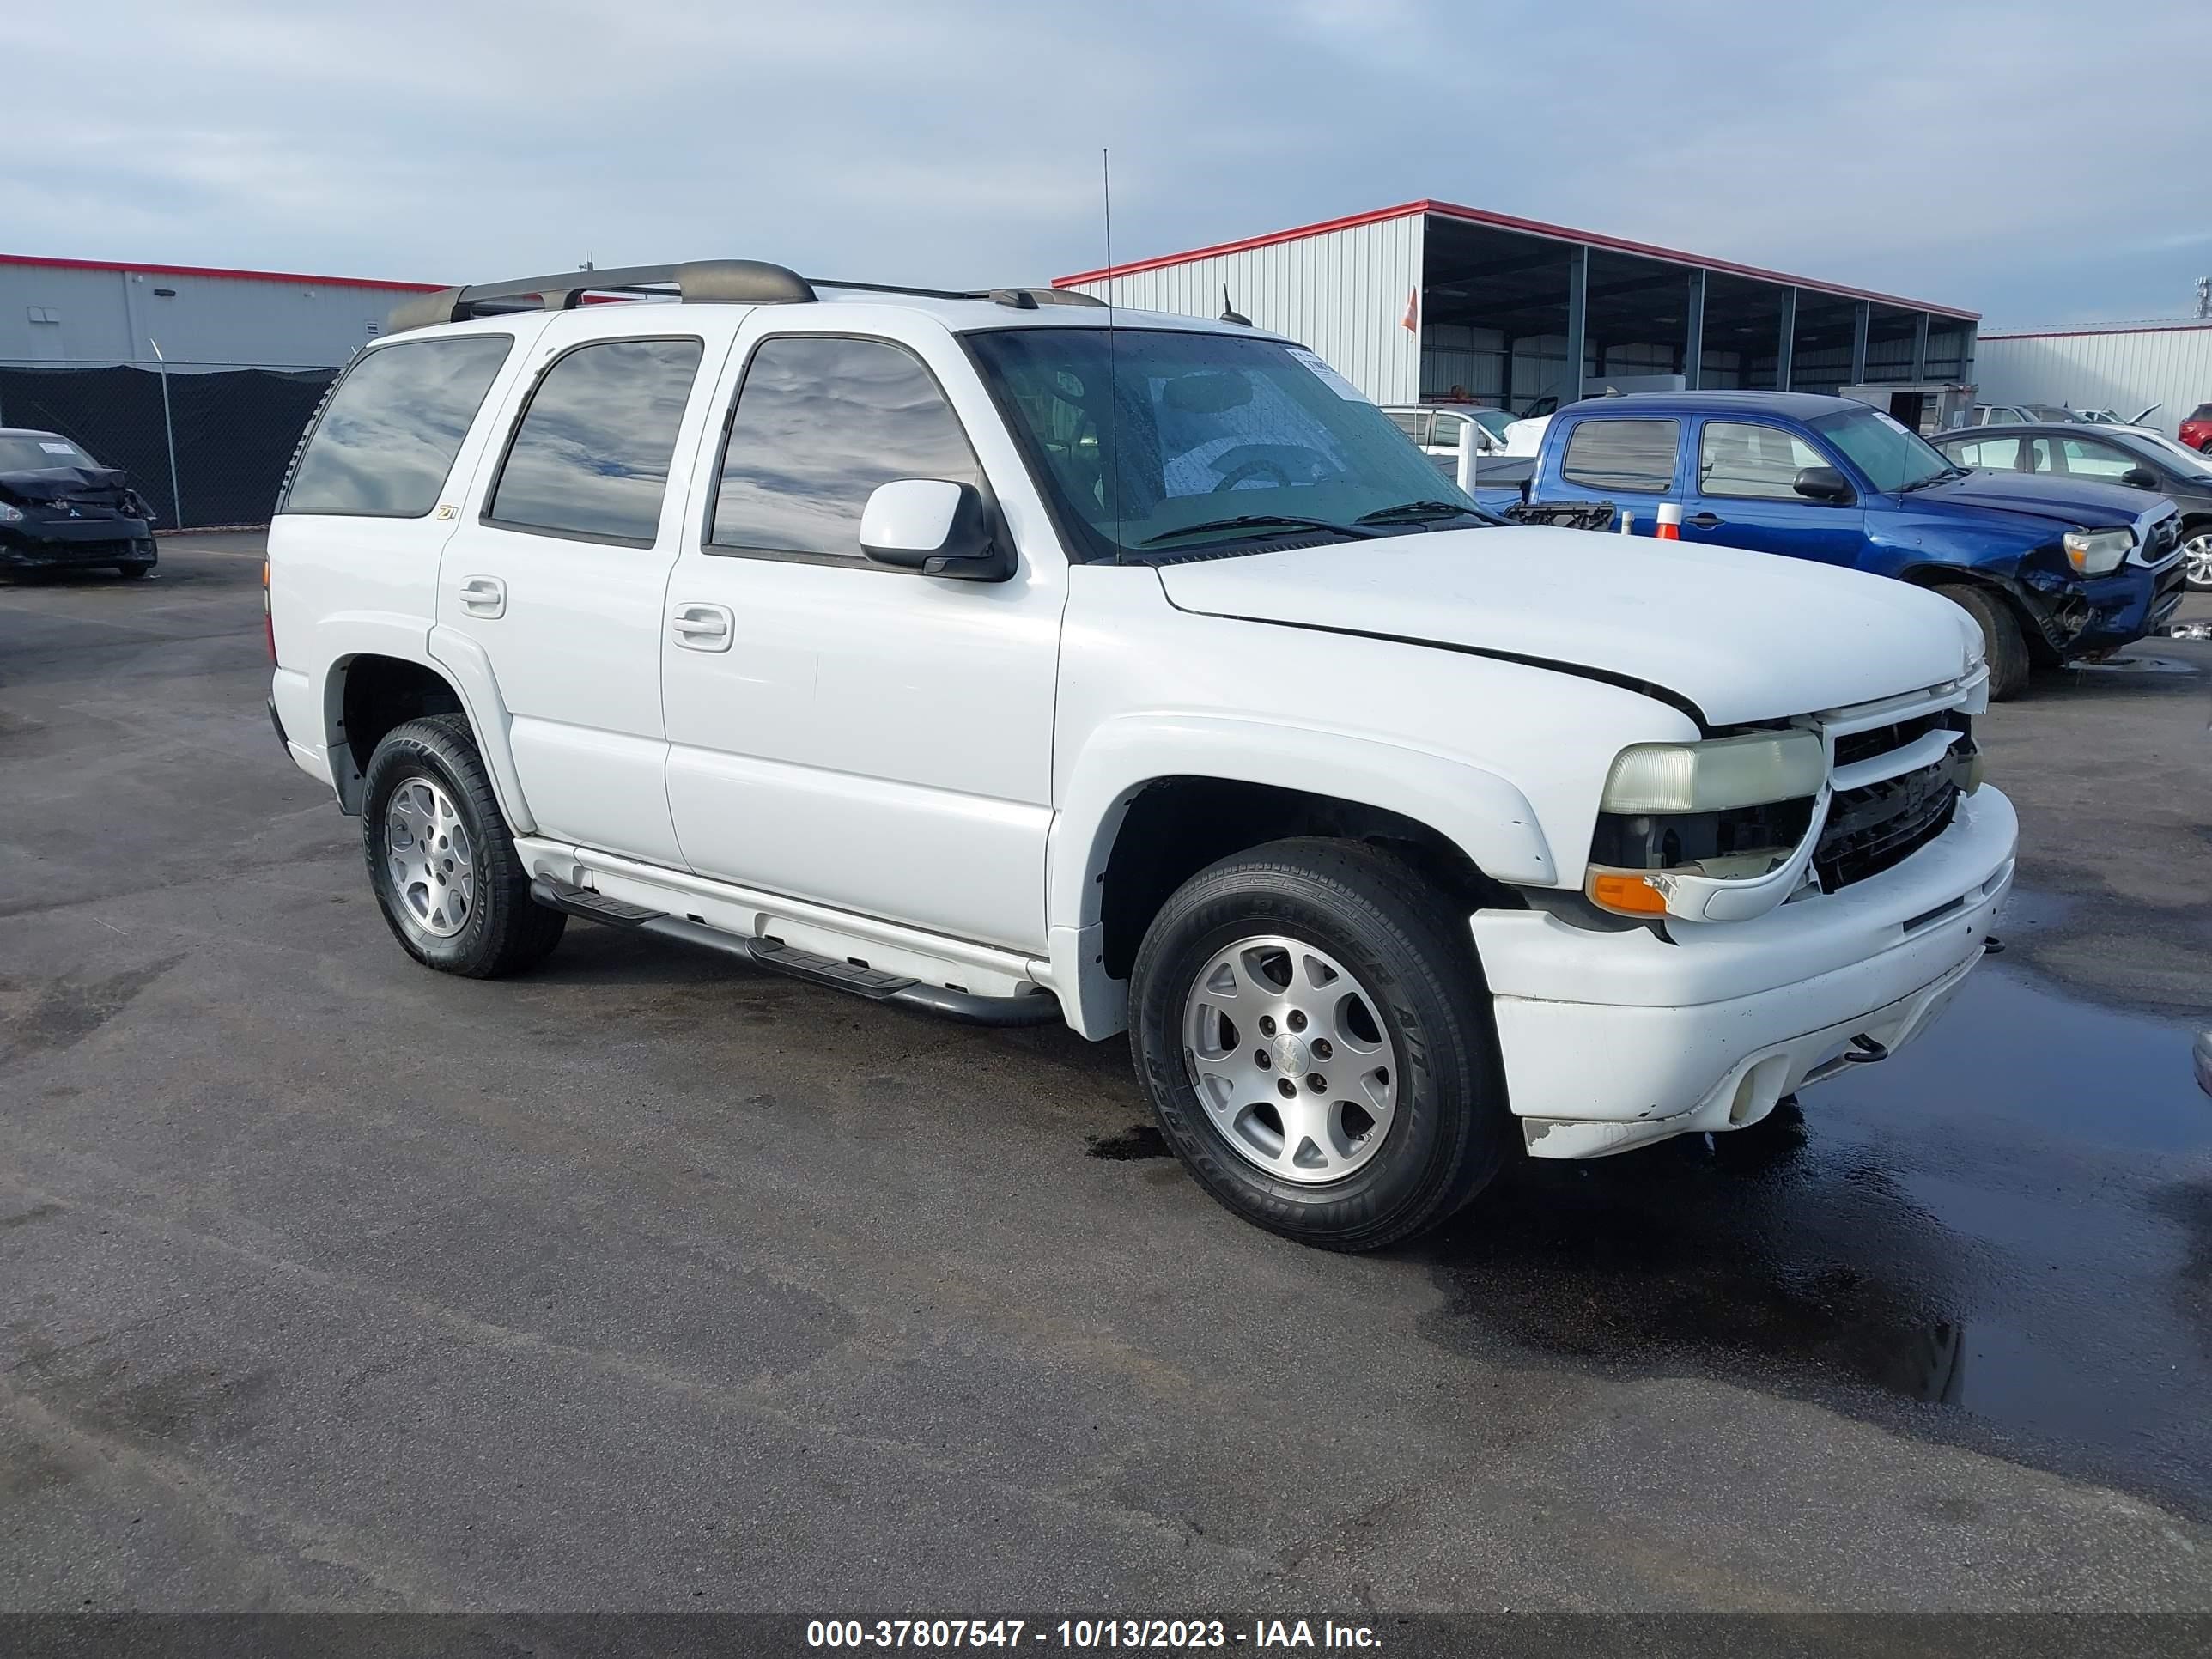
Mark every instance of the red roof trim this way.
pixel 1406 209
pixel 2115 328
pixel 215 270
pixel 1526 226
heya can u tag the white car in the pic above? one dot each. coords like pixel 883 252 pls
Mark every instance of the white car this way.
pixel 1026 661
pixel 1441 429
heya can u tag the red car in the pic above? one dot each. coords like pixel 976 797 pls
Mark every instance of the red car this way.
pixel 2197 430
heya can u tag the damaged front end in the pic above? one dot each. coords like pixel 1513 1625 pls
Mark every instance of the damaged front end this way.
pixel 60 516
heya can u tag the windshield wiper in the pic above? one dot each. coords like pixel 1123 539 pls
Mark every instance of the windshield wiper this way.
pixel 1418 513
pixel 1936 478
pixel 1273 522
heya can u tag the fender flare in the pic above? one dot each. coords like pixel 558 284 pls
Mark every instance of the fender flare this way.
pixel 467 667
pixel 2034 610
pixel 1486 816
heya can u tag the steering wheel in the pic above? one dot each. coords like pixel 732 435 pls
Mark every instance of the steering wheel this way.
pixel 1254 469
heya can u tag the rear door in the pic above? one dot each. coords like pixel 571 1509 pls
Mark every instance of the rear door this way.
pixel 1745 495
pixel 1631 461
pixel 561 560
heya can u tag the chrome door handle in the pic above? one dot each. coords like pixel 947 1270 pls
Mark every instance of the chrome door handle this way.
pixel 484 596
pixel 701 627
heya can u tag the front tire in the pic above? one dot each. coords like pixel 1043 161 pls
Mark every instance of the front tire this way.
pixel 1317 1045
pixel 2002 641
pixel 441 860
pixel 2196 559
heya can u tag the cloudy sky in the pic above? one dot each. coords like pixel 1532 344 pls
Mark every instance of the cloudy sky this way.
pixel 2038 162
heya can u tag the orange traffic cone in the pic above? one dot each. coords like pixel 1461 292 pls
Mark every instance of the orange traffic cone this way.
pixel 1670 522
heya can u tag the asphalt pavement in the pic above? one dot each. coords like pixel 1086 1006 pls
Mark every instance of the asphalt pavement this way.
pixel 648 1281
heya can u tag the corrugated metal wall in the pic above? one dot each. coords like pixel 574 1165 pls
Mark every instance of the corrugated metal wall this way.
pixel 2169 365
pixel 62 313
pixel 1340 293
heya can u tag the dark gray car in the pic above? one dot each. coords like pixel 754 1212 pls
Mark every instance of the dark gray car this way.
pixel 2107 454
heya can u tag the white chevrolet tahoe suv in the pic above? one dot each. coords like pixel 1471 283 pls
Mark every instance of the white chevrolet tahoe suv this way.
pixel 1009 657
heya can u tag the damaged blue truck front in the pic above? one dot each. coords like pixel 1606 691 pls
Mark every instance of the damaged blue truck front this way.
pixel 2054 568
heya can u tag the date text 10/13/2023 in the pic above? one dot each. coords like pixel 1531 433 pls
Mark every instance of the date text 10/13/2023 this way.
pixel 1086 1634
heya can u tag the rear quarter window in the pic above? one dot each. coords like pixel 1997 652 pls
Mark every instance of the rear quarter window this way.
pixel 1622 454
pixel 388 435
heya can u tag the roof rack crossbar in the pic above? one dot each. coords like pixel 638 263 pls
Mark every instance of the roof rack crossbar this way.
pixel 751 282
pixel 744 281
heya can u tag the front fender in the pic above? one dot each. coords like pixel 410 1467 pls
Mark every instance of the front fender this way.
pixel 1489 818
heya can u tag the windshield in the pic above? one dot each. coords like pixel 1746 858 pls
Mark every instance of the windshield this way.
pixel 2050 412
pixel 1891 457
pixel 39 452
pixel 1495 420
pixel 1202 428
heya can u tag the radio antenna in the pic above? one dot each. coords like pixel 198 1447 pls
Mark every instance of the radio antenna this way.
pixel 1112 476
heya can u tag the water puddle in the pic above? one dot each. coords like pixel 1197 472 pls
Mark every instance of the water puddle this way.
pixel 2013 1219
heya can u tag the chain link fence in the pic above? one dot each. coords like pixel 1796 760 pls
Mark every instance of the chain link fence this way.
pixel 206 444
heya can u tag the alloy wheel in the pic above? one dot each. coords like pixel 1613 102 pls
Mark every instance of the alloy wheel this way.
pixel 2197 559
pixel 426 848
pixel 1287 1052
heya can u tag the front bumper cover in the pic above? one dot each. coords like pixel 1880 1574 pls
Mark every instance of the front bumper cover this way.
pixel 40 543
pixel 1612 1039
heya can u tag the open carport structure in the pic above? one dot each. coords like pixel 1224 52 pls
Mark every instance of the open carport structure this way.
pixel 1418 299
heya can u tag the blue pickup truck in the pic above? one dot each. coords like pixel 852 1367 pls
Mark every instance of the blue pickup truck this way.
pixel 2053 569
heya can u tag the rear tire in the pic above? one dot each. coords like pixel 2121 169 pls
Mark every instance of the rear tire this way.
pixel 441 860
pixel 1352 1144
pixel 2002 641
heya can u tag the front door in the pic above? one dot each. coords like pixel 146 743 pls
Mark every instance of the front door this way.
pixel 841 731
pixel 1745 495
pixel 558 571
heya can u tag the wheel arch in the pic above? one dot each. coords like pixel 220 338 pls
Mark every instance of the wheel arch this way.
pixel 367 692
pixel 1155 801
pixel 2034 617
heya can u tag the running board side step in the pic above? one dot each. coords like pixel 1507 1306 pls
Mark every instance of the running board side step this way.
pixel 1038 1008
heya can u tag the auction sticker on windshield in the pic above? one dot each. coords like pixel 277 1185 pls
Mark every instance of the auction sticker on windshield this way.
pixel 1336 382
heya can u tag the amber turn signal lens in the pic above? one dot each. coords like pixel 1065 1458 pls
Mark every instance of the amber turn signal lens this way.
pixel 1627 896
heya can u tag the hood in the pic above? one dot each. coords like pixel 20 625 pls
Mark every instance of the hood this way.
pixel 87 486
pixel 1741 636
pixel 2065 503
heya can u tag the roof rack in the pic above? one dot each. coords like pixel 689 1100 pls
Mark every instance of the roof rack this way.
pixel 696 282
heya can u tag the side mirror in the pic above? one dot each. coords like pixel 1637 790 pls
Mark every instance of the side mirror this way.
pixel 1822 483
pixel 2140 478
pixel 936 526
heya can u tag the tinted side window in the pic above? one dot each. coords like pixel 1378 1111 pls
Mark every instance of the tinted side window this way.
pixel 2095 460
pixel 1994 455
pixel 590 455
pixel 389 434
pixel 1413 422
pixel 1758 463
pixel 1610 454
pixel 819 423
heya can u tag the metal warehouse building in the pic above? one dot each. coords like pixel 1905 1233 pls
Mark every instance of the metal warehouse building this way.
pixel 92 311
pixel 196 382
pixel 2127 368
pixel 1411 301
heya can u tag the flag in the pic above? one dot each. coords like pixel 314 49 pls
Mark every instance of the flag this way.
pixel 1412 321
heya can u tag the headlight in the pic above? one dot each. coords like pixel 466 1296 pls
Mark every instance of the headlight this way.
pixel 1732 809
pixel 2098 552
pixel 10 515
pixel 1706 777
